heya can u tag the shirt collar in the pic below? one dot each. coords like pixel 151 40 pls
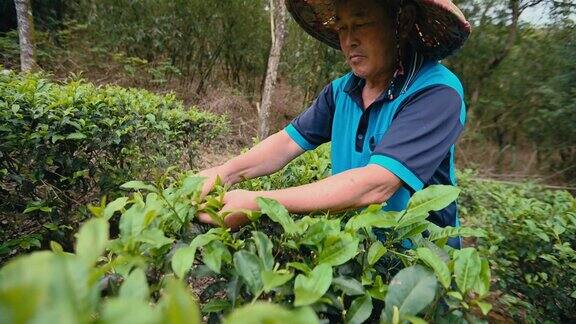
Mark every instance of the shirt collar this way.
pixel 399 83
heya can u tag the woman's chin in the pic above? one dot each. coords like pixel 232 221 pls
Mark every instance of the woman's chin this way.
pixel 359 73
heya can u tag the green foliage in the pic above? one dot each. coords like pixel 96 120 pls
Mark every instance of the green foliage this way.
pixel 530 235
pixel 62 145
pixel 519 83
pixel 310 267
pixel 309 288
pixel 67 288
pixel 265 313
pixel 166 39
pixel 411 290
pixel 307 168
pixel 518 78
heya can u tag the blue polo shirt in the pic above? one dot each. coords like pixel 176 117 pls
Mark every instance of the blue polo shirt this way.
pixel 409 130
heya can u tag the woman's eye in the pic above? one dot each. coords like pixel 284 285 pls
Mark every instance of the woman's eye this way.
pixel 364 24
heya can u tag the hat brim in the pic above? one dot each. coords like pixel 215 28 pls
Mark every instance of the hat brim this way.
pixel 439 30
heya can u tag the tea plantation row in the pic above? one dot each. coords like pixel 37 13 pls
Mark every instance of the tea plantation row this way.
pixel 142 257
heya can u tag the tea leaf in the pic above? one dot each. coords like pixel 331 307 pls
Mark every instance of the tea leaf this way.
pixel 128 310
pixel 484 307
pixel 266 313
pixel 316 233
pixel 308 289
pixel 432 198
pixel 482 286
pixel 155 237
pixel 442 233
pixel 411 290
pixel 56 247
pixel 379 289
pixel 373 217
pixel 299 266
pixel 249 267
pixel 204 239
pixel 433 261
pixel 277 213
pixel 182 260
pixel 216 306
pixel 76 136
pixel 273 279
pixel 138 185
pixel 214 253
pixel 338 249
pixel 135 286
pixel 414 319
pixel 178 306
pixel 375 252
pixel 359 310
pixel 264 247
pixel 92 240
pixel 467 267
pixel 115 206
pixel 349 286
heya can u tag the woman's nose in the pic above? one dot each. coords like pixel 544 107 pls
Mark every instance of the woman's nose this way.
pixel 350 38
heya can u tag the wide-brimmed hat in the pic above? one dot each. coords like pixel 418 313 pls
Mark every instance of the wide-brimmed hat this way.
pixel 440 27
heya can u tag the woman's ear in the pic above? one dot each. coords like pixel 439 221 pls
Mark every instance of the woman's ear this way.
pixel 407 20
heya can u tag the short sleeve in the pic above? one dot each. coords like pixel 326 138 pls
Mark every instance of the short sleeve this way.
pixel 314 126
pixel 421 134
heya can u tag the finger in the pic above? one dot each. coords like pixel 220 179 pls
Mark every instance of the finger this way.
pixel 205 218
pixel 236 220
pixel 206 187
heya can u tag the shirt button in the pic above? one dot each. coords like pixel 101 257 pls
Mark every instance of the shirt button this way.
pixel 360 136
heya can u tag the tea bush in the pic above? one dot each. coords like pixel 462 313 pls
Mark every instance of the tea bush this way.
pixel 70 135
pixel 531 235
pixel 280 267
pixel 62 145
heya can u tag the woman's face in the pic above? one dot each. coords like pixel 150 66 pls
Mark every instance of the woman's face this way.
pixel 367 37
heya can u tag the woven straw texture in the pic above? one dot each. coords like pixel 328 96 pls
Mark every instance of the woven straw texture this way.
pixel 440 29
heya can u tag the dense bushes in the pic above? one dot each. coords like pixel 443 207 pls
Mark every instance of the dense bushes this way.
pixel 530 238
pixel 329 266
pixel 61 145
pixel 530 244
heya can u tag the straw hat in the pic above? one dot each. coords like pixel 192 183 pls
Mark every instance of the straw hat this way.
pixel 440 26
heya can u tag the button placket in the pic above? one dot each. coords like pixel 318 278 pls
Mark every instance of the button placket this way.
pixel 361 130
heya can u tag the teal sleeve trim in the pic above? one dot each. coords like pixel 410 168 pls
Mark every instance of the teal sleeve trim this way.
pixel 398 169
pixel 298 138
pixel 463 113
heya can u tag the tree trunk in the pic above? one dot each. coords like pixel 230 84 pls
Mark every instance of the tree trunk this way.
pixel 278 30
pixel 25 34
pixel 495 61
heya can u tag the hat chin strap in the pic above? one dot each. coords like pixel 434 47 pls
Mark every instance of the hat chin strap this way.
pixel 399 64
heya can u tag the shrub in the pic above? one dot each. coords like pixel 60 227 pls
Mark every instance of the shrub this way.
pixel 63 144
pixel 530 244
pixel 329 267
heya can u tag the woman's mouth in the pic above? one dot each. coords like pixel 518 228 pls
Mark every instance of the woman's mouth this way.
pixel 356 58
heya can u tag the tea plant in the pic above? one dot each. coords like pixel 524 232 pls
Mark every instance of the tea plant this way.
pixel 329 267
pixel 61 146
pixel 530 244
pixel 55 139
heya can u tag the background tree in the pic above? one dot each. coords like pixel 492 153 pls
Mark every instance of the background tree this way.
pixel 518 74
pixel 25 34
pixel 278 31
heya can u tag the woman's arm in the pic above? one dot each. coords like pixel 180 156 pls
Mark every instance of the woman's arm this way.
pixel 348 190
pixel 266 157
